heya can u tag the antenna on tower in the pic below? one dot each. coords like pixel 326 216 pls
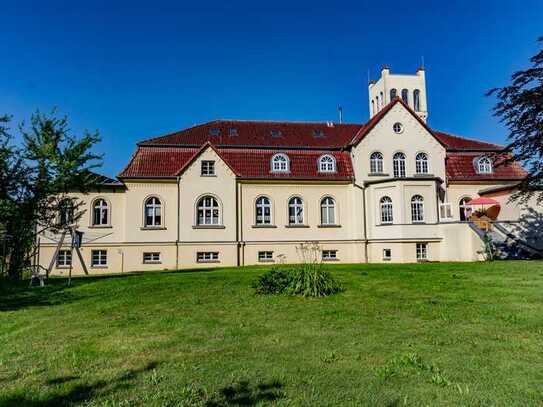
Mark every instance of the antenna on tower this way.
pixel 340 111
pixel 368 76
pixel 422 61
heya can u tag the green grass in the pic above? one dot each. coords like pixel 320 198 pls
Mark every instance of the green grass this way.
pixel 457 334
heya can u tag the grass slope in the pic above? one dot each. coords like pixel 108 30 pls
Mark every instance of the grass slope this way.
pixel 454 334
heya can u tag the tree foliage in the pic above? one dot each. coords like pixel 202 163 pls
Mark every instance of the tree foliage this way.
pixel 36 178
pixel 520 108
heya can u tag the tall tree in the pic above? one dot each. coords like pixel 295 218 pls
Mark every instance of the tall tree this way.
pixel 36 179
pixel 520 108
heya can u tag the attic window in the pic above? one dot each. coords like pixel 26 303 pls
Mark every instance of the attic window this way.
pixel 275 133
pixel 318 133
pixel 214 131
pixel 232 131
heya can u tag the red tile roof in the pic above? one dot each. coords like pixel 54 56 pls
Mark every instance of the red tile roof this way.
pixel 261 134
pixel 244 162
pixel 460 167
pixel 461 143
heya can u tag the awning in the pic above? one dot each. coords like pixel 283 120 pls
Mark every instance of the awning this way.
pixel 483 201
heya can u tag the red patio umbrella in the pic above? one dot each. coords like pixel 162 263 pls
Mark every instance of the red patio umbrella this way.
pixel 483 201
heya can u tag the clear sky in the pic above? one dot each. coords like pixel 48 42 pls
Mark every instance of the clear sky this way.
pixel 134 70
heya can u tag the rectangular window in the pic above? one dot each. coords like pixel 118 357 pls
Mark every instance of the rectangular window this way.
pixel 207 257
pixel 422 253
pixel 265 256
pixel 328 255
pixel 387 254
pixel 208 168
pixel 64 258
pixel 99 258
pixel 151 257
pixel 445 211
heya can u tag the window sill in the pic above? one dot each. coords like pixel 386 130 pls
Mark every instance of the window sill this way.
pixel 266 261
pixel 423 261
pixel 63 267
pixel 153 228
pixel 100 227
pixel 99 267
pixel 377 174
pixel 208 175
pixel 387 259
pixel 386 224
pixel 264 226
pixel 330 259
pixel 297 226
pixel 152 262
pixel 209 227
pixel 418 222
pixel 329 226
pixel 424 175
pixel 207 261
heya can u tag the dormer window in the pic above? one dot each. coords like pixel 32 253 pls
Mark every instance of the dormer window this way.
pixel 232 131
pixel 214 131
pixel 280 163
pixel 275 133
pixel 327 163
pixel 483 165
pixel 318 133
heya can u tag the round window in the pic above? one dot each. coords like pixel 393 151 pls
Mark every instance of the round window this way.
pixel 397 127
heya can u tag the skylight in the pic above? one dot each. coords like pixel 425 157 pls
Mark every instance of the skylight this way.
pixel 318 133
pixel 214 131
pixel 232 131
pixel 275 133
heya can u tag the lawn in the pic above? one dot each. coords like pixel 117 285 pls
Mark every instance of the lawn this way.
pixel 452 334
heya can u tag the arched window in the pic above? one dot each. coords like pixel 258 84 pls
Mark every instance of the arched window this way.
pixel 405 96
pixel 295 211
pixel 328 211
pixel 376 163
pixel 416 100
pixel 207 211
pixel 393 94
pixel 484 165
pixel 66 212
pixel 399 165
pixel 465 209
pixel 100 213
pixel 421 163
pixel 382 99
pixel 377 103
pixel 327 163
pixel 386 210
pixel 153 212
pixel 263 211
pixel 280 163
pixel 417 208
pixel 372 107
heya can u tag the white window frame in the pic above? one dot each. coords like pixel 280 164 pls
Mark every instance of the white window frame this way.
pixel 153 210
pixel 445 211
pixel 262 205
pixel 397 128
pixel 207 257
pixel 208 213
pixel 327 163
pixel 296 205
pixel 376 163
pixel 387 257
pixel 280 163
pixel 386 210
pixel 99 258
pixel 265 256
pixel 416 100
pixel 207 168
pixel 421 163
pixel 484 165
pixel 328 211
pixel 101 206
pixel 64 258
pixel 398 164
pixel 417 209
pixel 329 255
pixel 421 251
pixel 151 258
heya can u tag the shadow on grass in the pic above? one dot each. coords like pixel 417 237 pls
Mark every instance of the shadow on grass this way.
pixel 78 394
pixel 243 394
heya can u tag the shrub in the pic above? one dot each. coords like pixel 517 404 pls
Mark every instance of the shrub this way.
pixel 274 281
pixel 311 280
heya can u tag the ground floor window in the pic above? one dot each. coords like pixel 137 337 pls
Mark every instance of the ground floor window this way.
pixel 422 253
pixel 445 211
pixel 265 256
pixel 329 255
pixel 151 257
pixel 204 257
pixel 99 258
pixel 64 258
pixel 387 254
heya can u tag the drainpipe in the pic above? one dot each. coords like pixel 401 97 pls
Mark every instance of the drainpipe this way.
pixel 178 223
pixel 364 221
pixel 237 225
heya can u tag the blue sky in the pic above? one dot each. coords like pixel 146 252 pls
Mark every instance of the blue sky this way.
pixel 136 70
